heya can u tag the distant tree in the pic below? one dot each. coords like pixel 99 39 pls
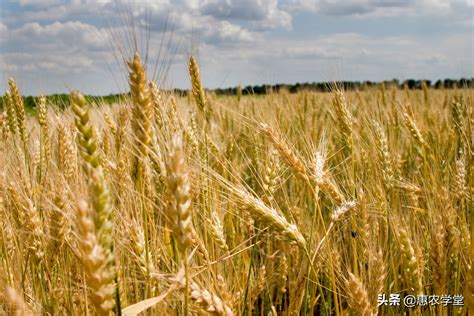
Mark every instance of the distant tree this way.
pixel 449 83
pixel 438 84
pixel 465 83
pixel 247 90
pixel 30 102
pixel 410 83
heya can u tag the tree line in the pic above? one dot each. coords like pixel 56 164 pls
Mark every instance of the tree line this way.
pixel 61 101
pixel 411 84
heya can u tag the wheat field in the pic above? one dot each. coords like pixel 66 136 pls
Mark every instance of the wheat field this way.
pixel 284 204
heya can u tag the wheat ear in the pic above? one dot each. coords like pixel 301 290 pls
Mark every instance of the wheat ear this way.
pixel 357 296
pixel 342 210
pixel 110 124
pixel 410 122
pixel 410 262
pixel 198 90
pixel 28 218
pixel 271 177
pixel 66 153
pixel 217 231
pixel 59 220
pixel 43 121
pixel 179 203
pixel 269 216
pixel 460 187
pixel 143 257
pixel 142 105
pixel 179 188
pixel 323 178
pixel 19 109
pixel 14 303
pixel 377 276
pixel 438 254
pixel 288 155
pixel 385 158
pixel 11 113
pixel 209 302
pixel 344 118
pixel 459 114
pixel 103 227
pixel 96 262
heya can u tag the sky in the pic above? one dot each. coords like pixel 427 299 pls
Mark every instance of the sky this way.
pixel 53 46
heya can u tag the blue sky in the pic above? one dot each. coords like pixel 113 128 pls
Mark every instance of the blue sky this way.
pixel 52 46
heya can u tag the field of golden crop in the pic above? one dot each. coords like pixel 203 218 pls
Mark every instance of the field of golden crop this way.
pixel 284 204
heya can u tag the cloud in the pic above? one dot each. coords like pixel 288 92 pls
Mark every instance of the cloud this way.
pixel 68 34
pixel 55 50
pixel 39 3
pixel 377 8
pixel 266 13
pixel 52 64
pixel 236 19
pixel 211 30
pixel 346 8
pixel 3 30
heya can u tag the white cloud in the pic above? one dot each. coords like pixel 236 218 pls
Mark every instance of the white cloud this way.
pixel 234 19
pixel 70 34
pixel 349 7
pixel 378 8
pixel 54 50
pixel 39 3
pixel 52 64
pixel 266 12
pixel 3 30
pixel 210 30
